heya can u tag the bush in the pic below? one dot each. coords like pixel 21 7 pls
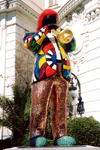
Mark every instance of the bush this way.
pixel 48 133
pixel 85 130
pixel 50 142
pixel 23 142
pixel 16 114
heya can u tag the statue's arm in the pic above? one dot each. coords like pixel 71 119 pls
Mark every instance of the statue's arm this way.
pixel 70 47
pixel 33 41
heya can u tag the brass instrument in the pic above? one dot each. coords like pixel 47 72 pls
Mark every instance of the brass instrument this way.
pixel 64 36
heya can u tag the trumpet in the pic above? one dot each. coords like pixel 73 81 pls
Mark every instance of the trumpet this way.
pixel 63 36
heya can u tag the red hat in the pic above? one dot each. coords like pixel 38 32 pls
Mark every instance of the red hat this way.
pixel 43 14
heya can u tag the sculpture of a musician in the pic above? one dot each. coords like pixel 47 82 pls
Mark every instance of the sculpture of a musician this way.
pixel 49 81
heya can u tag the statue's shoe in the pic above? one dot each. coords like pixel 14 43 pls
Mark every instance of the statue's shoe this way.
pixel 65 141
pixel 38 141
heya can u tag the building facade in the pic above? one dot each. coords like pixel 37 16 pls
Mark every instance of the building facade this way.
pixel 81 16
pixel 16 18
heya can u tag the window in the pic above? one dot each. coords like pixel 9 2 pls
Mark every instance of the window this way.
pixel 52 2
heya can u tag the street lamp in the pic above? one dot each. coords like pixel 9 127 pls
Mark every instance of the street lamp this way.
pixel 80 105
pixel 7 4
pixel 72 87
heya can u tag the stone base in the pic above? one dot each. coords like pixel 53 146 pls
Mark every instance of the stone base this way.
pixel 77 147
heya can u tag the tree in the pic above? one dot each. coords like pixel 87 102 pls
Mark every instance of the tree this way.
pixel 24 60
pixel 16 113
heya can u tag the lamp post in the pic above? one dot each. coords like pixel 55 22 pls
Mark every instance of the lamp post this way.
pixel 72 87
pixel 7 4
pixel 80 105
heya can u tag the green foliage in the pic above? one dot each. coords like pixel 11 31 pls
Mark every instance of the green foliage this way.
pixel 23 141
pixel 50 142
pixel 86 131
pixel 16 113
pixel 48 133
pixel 24 60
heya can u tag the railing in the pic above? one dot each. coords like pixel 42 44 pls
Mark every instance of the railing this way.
pixel 71 4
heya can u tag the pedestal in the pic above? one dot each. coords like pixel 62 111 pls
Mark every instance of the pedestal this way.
pixel 78 147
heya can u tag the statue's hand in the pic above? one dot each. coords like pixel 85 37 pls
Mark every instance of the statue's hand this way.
pixel 52 26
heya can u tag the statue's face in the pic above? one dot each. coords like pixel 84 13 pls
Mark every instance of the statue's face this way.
pixel 48 20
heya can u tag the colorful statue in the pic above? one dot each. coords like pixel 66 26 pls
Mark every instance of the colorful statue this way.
pixel 49 81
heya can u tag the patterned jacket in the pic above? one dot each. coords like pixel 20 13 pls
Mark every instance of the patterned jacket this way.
pixel 48 52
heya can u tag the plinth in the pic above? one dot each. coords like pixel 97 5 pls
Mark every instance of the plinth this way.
pixel 78 147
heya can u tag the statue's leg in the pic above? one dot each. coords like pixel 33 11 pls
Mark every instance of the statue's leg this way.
pixel 39 107
pixel 59 108
pixel 59 97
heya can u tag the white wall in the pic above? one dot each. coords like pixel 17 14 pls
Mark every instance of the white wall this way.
pixel 58 6
pixel 90 75
pixel 10 52
pixel 13 24
pixel 37 5
pixel 85 61
pixel 2 52
pixel 61 3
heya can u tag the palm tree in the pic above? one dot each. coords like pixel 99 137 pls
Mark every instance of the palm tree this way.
pixel 16 113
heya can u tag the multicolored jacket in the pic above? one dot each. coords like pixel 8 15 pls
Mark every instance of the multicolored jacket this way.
pixel 48 52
